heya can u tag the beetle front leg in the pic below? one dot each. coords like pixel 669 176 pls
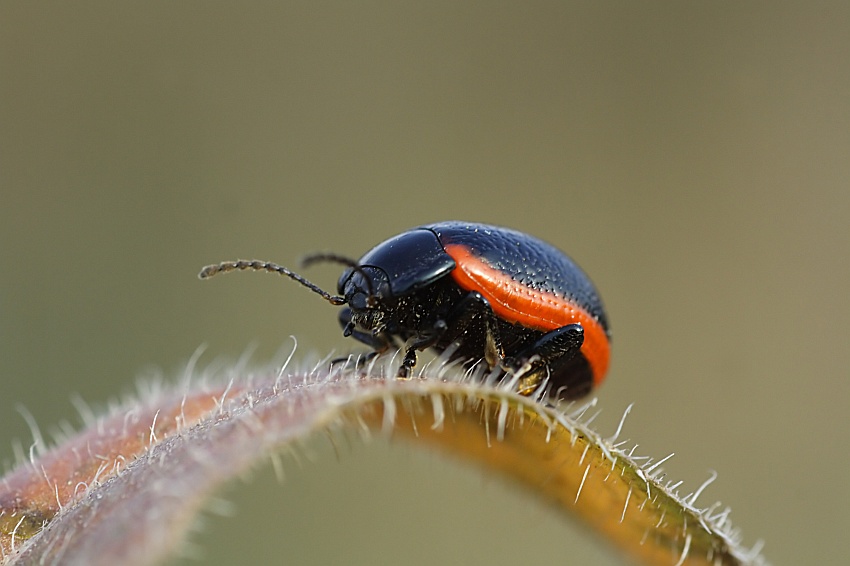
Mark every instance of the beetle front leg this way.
pixel 422 342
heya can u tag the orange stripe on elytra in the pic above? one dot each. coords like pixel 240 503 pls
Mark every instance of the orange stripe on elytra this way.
pixel 540 310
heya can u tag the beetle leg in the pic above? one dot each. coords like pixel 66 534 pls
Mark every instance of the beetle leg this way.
pixel 407 363
pixel 466 310
pixel 422 342
pixel 551 354
pixel 472 305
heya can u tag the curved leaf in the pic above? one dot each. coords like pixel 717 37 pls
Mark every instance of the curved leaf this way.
pixel 126 489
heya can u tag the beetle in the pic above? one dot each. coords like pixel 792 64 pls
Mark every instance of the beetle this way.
pixel 482 292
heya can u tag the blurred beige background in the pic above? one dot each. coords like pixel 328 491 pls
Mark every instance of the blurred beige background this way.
pixel 694 159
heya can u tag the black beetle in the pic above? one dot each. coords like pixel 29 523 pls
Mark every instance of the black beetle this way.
pixel 490 293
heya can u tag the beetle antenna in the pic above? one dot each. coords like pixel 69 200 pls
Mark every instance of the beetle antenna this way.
pixel 334 258
pixel 257 265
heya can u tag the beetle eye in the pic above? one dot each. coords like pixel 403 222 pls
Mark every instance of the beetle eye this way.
pixel 363 301
pixel 359 301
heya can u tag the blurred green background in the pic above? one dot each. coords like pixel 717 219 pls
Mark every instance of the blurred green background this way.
pixel 693 158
